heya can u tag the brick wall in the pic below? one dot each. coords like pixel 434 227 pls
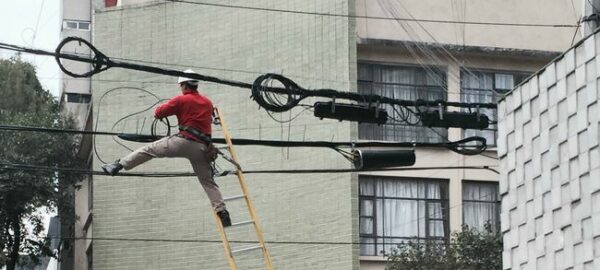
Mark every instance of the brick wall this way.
pixel 314 51
pixel 550 163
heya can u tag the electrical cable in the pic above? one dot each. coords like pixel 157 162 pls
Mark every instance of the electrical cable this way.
pixel 23 167
pixel 139 137
pixel 292 91
pixel 460 146
pixel 126 239
pixel 373 17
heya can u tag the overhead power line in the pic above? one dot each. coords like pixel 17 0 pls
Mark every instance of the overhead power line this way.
pixel 209 241
pixel 374 17
pixel 458 146
pixel 291 93
pixel 26 167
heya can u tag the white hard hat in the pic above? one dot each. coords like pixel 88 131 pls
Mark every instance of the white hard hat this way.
pixel 188 80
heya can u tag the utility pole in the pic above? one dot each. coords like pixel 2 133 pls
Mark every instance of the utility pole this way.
pixel 591 16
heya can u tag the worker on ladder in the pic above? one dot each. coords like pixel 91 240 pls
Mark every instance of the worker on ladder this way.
pixel 194 114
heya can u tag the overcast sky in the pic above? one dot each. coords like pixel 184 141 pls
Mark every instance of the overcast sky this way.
pixel 33 23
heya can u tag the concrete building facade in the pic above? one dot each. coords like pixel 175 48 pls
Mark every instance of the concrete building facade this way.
pixel 75 96
pixel 315 221
pixel 550 164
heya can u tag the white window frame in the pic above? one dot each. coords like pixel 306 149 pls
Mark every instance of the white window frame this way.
pixel 79 25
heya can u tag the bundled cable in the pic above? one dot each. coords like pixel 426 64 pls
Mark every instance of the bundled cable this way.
pixel 293 92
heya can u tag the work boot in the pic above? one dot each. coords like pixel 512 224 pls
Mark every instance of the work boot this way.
pixel 112 168
pixel 224 216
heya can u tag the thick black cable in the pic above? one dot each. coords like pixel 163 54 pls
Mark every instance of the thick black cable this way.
pixel 295 93
pixel 454 146
pixel 24 167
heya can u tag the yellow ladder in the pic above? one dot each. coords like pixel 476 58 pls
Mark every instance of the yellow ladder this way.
pixel 245 195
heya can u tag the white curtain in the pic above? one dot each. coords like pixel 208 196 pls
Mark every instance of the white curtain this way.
pixel 407 83
pixel 479 87
pixel 481 205
pixel 401 211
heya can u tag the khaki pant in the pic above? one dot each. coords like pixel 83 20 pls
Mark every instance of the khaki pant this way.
pixel 175 146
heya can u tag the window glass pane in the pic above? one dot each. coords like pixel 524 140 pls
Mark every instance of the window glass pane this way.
pixel 71 25
pixel 84 25
pixel 480 191
pixel 366 188
pixel 400 218
pixel 433 191
pixel 364 72
pixel 436 228
pixel 367 246
pixel 504 81
pixel 400 189
pixel 366 208
pixel 421 219
pixel 477 214
pixel 435 210
pixel 366 226
pixel 78 98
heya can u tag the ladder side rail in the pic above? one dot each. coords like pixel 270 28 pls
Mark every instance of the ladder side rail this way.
pixel 228 252
pixel 253 215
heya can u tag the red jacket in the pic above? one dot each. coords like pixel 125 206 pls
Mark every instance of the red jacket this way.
pixel 192 109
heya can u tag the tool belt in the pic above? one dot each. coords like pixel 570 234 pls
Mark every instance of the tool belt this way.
pixel 211 151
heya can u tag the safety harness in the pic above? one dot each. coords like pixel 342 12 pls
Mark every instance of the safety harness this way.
pixel 211 150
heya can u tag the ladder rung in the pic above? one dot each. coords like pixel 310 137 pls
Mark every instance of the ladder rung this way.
pixel 242 223
pixel 234 197
pixel 246 249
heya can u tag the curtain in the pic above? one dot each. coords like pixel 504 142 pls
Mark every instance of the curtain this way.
pixel 402 212
pixel 479 87
pixel 481 205
pixel 407 83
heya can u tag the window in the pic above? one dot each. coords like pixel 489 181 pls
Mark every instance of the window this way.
pixel 84 25
pixel 78 98
pixel 487 87
pixel 401 82
pixel 481 205
pixel 76 25
pixel 394 210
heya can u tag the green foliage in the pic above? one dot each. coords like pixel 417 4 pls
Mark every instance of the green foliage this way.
pixel 468 249
pixel 22 192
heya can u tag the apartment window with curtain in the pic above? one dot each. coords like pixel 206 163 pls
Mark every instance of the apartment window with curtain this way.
pixel 481 205
pixel 401 82
pixel 487 87
pixel 396 210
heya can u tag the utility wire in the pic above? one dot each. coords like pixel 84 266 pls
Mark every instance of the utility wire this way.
pixel 259 88
pixel 373 17
pixel 26 167
pixel 126 239
pixel 455 145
